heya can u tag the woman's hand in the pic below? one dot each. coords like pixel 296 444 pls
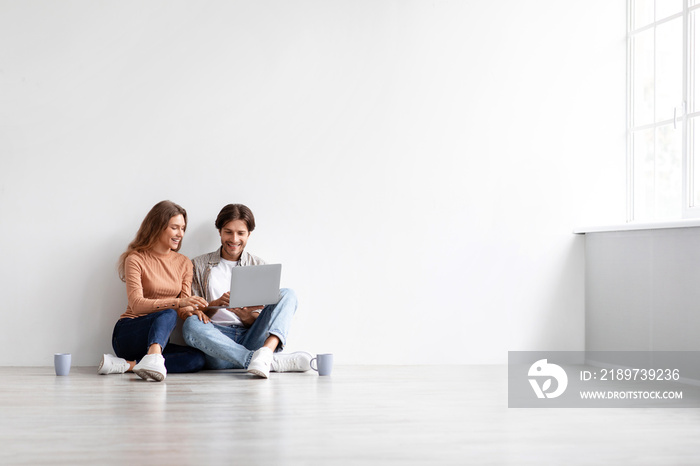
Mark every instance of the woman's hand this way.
pixel 197 302
pixel 185 312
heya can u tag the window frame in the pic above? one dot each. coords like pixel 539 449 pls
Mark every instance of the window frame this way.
pixel 683 119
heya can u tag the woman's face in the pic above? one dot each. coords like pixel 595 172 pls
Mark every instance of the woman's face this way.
pixel 173 234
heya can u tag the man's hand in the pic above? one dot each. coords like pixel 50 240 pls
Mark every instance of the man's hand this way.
pixel 223 300
pixel 247 314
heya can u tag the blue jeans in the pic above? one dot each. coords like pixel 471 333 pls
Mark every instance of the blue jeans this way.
pixel 233 347
pixel 132 337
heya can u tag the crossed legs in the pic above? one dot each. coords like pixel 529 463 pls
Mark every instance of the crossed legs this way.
pixel 233 347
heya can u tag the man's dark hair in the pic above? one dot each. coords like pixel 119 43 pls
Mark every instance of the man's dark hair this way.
pixel 235 212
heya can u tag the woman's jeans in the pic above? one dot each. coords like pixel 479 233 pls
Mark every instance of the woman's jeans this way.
pixel 233 347
pixel 132 338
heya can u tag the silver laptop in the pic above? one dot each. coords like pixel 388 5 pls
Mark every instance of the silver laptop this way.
pixel 254 285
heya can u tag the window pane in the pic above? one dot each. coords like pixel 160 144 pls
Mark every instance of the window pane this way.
pixel 643 174
pixel 669 69
pixel 643 78
pixel 666 8
pixel 694 59
pixel 657 173
pixel 642 13
pixel 657 95
pixel 668 168
pixel 694 151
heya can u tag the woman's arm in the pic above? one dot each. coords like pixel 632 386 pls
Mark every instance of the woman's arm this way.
pixel 133 269
pixel 190 304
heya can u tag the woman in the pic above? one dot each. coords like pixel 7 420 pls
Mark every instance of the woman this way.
pixel 158 280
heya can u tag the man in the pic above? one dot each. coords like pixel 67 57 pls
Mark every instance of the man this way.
pixel 239 338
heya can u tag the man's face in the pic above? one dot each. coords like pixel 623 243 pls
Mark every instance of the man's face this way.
pixel 234 237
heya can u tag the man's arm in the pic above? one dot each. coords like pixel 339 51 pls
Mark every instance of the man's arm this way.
pixel 197 287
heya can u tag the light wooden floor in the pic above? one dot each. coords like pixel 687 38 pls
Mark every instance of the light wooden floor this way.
pixel 366 415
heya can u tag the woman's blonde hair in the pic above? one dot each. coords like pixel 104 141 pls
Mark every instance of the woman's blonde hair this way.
pixel 152 226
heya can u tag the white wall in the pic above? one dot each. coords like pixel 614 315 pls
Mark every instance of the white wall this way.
pixel 416 166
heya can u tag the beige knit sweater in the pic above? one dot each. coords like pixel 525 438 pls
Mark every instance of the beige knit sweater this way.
pixel 155 282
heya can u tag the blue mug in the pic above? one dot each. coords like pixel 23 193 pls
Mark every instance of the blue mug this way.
pixel 61 362
pixel 324 364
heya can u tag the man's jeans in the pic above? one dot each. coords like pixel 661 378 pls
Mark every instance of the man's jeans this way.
pixel 233 347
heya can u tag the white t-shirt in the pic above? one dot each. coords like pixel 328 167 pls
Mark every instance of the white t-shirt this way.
pixel 220 283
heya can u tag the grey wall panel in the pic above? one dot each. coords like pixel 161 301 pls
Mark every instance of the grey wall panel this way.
pixel 643 290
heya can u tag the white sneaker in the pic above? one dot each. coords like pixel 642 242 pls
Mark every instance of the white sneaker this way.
pixel 291 362
pixel 112 365
pixel 151 366
pixel 260 362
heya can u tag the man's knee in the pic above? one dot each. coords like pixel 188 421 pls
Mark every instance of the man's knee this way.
pixel 192 327
pixel 288 294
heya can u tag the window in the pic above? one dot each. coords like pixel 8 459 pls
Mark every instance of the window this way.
pixel 663 115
